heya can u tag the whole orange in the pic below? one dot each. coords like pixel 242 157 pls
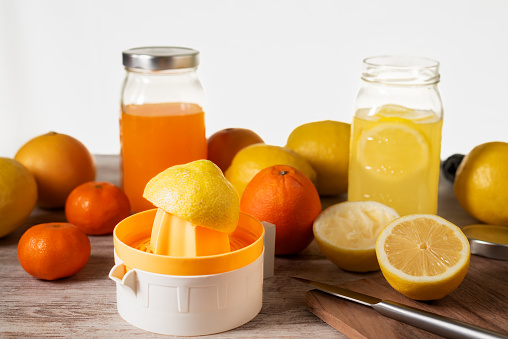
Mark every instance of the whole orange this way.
pixel 224 144
pixel 96 207
pixel 59 163
pixel 287 198
pixel 53 250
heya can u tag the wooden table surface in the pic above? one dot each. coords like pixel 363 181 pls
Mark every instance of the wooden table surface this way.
pixel 84 305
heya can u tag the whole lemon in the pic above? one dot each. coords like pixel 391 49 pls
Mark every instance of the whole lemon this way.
pixel 18 195
pixel 59 163
pixel 252 159
pixel 325 145
pixel 481 183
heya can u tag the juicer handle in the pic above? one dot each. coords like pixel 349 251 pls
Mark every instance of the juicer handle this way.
pixel 127 279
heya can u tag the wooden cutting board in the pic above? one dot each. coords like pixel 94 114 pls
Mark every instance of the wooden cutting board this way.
pixel 481 299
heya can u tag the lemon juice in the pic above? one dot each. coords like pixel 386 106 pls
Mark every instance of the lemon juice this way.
pixel 395 158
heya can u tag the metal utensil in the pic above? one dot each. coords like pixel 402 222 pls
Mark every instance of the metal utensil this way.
pixel 489 241
pixel 427 321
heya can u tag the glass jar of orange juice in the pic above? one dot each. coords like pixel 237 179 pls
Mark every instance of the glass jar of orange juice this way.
pixel 396 134
pixel 162 121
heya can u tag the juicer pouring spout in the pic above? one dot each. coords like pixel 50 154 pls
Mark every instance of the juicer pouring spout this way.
pixel 122 277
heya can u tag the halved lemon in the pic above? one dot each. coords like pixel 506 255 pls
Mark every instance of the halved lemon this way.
pixel 393 149
pixel 423 256
pixel 196 192
pixel 346 233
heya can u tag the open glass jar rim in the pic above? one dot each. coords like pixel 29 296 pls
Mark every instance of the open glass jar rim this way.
pixel 400 70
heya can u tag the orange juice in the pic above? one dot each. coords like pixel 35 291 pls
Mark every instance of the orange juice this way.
pixel 155 137
pixel 395 158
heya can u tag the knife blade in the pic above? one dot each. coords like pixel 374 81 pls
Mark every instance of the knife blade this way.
pixel 431 322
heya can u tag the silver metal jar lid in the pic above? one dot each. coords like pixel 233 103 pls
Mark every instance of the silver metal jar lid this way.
pixel 160 58
pixel 488 240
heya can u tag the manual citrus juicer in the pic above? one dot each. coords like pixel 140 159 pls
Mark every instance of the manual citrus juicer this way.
pixel 176 277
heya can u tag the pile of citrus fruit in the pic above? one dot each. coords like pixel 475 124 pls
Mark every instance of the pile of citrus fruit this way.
pixel 422 256
pixel 283 184
pixel 56 171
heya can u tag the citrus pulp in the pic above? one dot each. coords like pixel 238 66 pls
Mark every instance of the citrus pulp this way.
pixel 346 233
pixel 423 256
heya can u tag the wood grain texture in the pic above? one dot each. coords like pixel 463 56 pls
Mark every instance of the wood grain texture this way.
pixel 481 300
pixel 84 305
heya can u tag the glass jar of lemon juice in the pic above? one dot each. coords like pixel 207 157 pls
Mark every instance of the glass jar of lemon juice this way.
pixel 396 134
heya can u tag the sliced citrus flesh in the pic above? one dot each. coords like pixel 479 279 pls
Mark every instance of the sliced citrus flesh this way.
pixel 346 233
pixel 423 256
pixel 381 146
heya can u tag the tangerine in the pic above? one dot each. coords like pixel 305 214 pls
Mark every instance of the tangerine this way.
pixel 97 207
pixel 224 144
pixel 287 198
pixel 53 250
pixel 59 163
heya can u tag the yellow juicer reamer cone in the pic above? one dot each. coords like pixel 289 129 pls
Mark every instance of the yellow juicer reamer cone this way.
pixel 173 236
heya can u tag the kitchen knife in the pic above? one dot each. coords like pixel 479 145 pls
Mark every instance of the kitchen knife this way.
pixel 431 322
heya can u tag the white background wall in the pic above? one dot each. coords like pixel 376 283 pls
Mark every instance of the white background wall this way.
pixel 267 65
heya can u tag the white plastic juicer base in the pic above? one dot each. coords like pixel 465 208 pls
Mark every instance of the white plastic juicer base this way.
pixel 189 305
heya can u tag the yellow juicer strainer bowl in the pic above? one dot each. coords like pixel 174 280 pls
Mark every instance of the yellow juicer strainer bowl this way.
pixel 246 246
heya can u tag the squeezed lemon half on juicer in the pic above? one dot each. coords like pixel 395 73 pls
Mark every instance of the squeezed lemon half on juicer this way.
pixel 197 210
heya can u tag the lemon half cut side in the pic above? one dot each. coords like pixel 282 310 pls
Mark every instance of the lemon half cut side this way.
pixel 423 256
pixel 346 233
